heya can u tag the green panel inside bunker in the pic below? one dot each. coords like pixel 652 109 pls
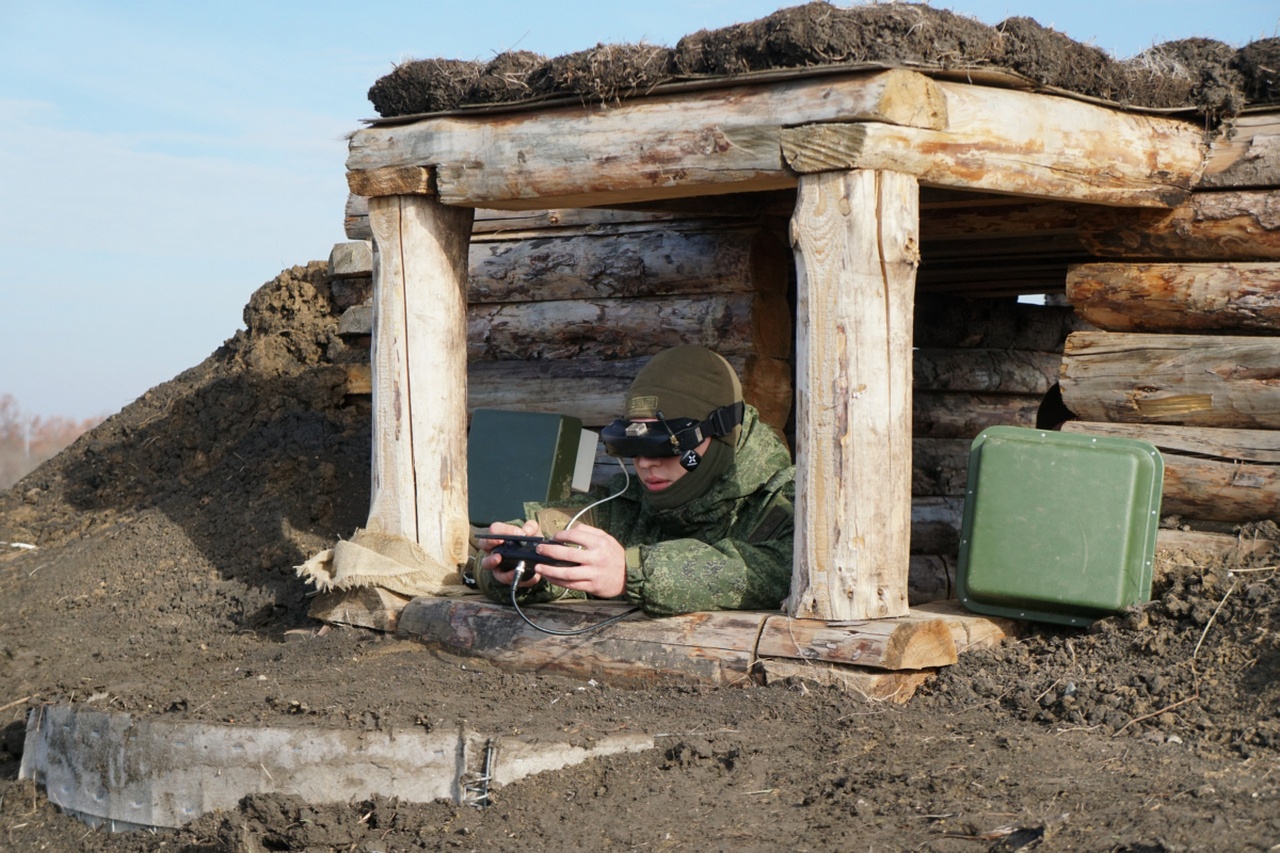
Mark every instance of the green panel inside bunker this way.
pixel 1058 527
pixel 513 457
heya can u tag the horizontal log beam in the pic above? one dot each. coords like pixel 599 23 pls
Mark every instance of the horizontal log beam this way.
pixel 648 263
pixel 714 648
pixel 487 221
pixel 1194 380
pixel 1209 226
pixel 609 328
pixel 904 642
pixel 664 146
pixel 719 647
pixel 732 140
pixel 1223 297
pixel 1199 487
pixel 593 390
pixel 939 467
pixel 963 414
pixel 984 370
pixel 994 218
pixel 930 577
pixel 1188 547
pixel 1236 445
pixel 1021 144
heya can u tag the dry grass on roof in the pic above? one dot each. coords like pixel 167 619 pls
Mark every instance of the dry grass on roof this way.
pixel 1202 74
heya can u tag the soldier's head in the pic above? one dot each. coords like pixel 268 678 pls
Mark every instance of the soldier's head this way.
pixel 683 419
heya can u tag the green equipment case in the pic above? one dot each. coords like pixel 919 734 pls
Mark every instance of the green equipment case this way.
pixel 1058 527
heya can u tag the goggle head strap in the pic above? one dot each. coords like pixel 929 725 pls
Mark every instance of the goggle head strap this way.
pixel 628 439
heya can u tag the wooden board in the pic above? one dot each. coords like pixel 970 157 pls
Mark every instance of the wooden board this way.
pixel 969 630
pixel 361 607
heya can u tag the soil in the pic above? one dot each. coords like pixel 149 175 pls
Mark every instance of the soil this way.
pixel 162 583
pixel 1198 75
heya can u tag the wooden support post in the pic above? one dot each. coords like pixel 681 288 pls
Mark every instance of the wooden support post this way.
pixel 419 488
pixel 856 241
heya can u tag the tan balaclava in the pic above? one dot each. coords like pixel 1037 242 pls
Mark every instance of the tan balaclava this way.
pixel 687 382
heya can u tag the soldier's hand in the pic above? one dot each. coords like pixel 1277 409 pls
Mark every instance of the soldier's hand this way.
pixel 599 562
pixel 491 560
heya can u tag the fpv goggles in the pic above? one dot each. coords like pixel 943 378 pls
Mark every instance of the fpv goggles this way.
pixel 664 437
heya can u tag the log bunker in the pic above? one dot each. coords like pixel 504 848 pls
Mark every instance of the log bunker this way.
pixel 855 236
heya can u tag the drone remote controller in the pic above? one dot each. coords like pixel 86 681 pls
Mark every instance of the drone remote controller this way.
pixel 523 549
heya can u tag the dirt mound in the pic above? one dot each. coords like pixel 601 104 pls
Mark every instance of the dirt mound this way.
pixel 163 585
pixel 1195 74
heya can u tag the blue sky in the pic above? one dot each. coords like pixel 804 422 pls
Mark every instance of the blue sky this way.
pixel 159 161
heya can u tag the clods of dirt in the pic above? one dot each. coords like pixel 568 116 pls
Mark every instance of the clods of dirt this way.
pixel 1198 75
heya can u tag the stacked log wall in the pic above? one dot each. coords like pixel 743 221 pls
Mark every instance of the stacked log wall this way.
pixel 565 307
pixel 979 362
pixel 1202 385
pixel 1188 352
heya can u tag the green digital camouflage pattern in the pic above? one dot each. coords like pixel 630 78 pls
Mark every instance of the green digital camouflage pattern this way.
pixel 730 549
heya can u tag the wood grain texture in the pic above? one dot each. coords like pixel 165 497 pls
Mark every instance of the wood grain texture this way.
pixel 1193 380
pixel 419 371
pixel 1177 297
pixel 855 237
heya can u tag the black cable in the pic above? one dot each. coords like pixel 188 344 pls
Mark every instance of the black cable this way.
pixel 515 582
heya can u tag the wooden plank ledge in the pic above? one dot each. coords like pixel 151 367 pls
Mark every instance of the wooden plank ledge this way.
pixel 913 641
pixel 720 648
pixel 361 607
pixel 970 631
pixel 713 648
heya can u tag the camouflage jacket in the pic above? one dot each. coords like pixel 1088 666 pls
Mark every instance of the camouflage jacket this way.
pixel 730 549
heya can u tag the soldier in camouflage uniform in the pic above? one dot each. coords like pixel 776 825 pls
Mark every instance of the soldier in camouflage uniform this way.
pixel 705 527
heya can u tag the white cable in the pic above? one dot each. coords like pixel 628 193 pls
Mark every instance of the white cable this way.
pixel 625 483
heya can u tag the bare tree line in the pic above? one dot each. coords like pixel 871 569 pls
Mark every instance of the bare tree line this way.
pixel 28 440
